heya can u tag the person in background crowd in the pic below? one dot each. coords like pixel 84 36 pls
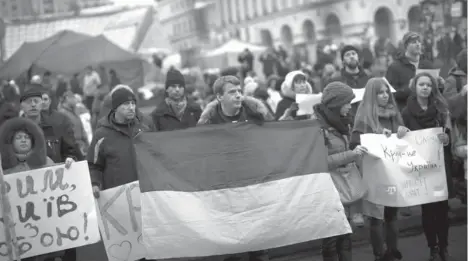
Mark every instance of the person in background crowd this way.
pixel 232 106
pixel 269 61
pixel 23 148
pixel 273 94
pixel 332 114
pixel 91 82
pixel 457 77
pixel 58 132
pixel 426 108
pixel 329 72
pixel 404 68
pixel 68 108
pixel 9 102
pixel 250 87
pixel 176 111
pixel 352 73
pixel 75 84
pixel 111 157
pixel 50 101
pixel 378 113
pixel 246 59
pixel 61 87
pixel 261 93
pixel 47 80
pixel 98 100
pixel 114 79
pixel 460 143
pixel 294 83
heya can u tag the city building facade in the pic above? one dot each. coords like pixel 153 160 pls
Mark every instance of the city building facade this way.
pixel 33 9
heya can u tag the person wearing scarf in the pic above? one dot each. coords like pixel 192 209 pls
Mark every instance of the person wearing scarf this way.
pixel 333 115
pixel 426 108
pixel 175 112
pixel 378 113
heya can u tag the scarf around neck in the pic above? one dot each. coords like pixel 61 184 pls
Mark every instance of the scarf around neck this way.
pixel 334 120
pixel 425 118
pixel 178 107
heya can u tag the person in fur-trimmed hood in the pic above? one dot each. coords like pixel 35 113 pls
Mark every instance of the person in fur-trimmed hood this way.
pixel 22 148
pixel 294 83
pixel 231 105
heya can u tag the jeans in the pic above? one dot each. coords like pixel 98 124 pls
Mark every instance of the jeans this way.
pixel 377 232
pixel 435 223
pixel 337 248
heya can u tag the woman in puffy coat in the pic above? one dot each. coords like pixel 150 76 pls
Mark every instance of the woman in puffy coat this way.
pixel 378 113
pixel 333 115
pixel 426 108
pixel 23 148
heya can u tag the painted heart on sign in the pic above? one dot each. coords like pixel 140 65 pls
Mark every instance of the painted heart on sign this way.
pixel 121 252
pixel 3 250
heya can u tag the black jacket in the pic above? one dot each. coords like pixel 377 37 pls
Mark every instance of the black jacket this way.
pixel 164 119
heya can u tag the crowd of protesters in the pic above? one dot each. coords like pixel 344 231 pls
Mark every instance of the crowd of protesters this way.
pixel 40 126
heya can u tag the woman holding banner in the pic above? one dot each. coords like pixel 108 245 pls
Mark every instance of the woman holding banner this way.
pixel 426 108
pixel 23 148
pixel 333 115
pixel 378 113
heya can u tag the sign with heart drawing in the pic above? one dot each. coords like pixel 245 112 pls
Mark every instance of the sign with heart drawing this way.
pixel 120 222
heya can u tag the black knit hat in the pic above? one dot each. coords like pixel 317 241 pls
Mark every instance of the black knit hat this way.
pixel 121 96
pixel 32 90
pixel 337 94
pixel 174 77
pixel 348 48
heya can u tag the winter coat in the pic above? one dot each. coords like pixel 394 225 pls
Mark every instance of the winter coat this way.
pixel 60 138
pixel 358 81
pixel 289 95
pixel 341 160
pixel 399 74
pixel 444 121
pixel 454 83
pixel 111 155
pixel 164 119
pixel 78 128
pixel 36 160
pixel 252 110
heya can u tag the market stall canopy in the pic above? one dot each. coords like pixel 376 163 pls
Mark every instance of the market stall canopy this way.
pixel 31 52
pixel 234 46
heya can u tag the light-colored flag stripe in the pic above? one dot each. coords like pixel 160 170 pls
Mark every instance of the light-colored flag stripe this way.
pixel 235 220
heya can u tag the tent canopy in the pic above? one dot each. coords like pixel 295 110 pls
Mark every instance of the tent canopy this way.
pixel 77 56
pixel 234 46
pixel 30 52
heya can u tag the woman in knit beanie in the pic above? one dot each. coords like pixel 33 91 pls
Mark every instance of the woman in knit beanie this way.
pixel 333 115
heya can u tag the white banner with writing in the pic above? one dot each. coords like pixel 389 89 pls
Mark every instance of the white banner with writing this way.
pixel 120 222
pixel 405 172
pixel 53 209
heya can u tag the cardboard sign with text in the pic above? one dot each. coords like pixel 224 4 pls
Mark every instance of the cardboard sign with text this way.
pixel 53 209
pixel 405 172
pixel 120 222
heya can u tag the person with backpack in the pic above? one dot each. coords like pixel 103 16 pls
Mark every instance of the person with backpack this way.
pixel 457 78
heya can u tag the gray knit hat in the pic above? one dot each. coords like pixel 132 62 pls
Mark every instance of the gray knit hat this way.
pixel 337 94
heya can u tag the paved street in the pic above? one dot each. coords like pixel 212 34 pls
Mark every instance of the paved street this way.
pixel 413 249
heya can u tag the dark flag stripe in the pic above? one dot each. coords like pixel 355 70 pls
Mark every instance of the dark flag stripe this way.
pixel 229 156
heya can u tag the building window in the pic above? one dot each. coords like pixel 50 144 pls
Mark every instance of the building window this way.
pixel 274 5
pixel 49 6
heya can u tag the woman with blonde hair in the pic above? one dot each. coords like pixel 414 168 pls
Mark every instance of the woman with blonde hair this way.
pixel 426 108
pixel 378 113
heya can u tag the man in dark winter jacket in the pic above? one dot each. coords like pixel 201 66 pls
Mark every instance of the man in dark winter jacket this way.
pixel 352 73
pixel 232 106
pixel 58 130
pixel 9 102
pixel 456 79
pixel 175 111
pixel 111 158
pixel 403 69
